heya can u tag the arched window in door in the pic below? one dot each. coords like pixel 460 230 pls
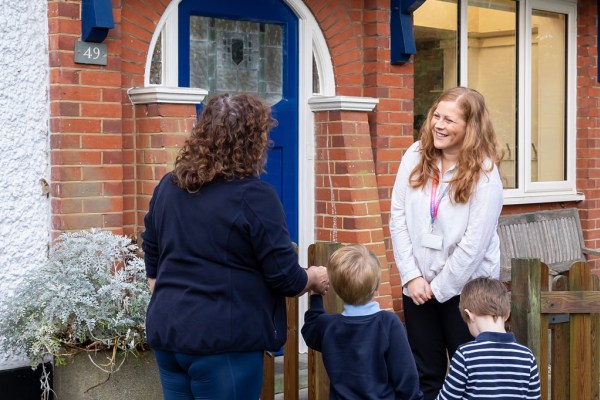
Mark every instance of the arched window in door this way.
pixel 236 56
pixel 272 37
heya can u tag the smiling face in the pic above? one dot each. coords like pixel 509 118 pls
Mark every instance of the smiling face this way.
pixel 448 128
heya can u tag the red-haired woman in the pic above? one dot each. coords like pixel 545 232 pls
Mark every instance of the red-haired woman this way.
pixel 445 207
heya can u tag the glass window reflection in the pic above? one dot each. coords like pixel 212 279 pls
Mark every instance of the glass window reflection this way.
pixel 236 56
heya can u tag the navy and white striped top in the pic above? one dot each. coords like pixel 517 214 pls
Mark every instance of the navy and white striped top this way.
pixel 493 366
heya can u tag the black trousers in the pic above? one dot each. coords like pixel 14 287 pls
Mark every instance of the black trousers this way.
pixel 435 330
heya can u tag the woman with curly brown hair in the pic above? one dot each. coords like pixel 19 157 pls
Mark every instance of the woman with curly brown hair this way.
pixel 219 258
pixel 444 211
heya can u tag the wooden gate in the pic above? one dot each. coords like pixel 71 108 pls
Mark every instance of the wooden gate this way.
pixel 560 325
pixel 318 381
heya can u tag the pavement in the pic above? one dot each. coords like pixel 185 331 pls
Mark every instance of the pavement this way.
pixel 302 375
pixel 302 395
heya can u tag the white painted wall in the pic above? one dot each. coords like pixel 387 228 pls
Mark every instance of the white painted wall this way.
pixel 24 154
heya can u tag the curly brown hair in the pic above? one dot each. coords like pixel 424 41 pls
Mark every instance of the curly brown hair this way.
pixel 480 143
pixel 230 140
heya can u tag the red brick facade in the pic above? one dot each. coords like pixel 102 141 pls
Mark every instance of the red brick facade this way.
pixel 107 154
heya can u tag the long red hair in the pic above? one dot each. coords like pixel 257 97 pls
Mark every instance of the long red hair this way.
pixel 480 143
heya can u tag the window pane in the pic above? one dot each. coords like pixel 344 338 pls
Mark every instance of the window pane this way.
pixel 316 82
pixel 493 71
pixel 548 88
pixel 236 56
pixel 156 63
pixel 435 28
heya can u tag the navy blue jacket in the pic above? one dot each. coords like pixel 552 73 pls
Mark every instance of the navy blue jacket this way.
pixel 223 263
pixel 366 356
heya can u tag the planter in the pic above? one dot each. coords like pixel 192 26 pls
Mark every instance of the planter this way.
pixel 80 379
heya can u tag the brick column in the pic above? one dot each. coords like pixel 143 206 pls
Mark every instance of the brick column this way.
pixel 347 200
pixel 162 120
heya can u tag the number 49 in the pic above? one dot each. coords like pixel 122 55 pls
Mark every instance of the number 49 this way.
pixel 92 53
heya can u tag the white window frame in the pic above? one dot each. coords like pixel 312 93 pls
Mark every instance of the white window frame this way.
pixel 528 191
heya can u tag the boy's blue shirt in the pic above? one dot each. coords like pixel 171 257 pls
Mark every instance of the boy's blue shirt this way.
pixel 363 309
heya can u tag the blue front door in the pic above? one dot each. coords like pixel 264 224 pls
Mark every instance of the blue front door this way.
pixel 249 46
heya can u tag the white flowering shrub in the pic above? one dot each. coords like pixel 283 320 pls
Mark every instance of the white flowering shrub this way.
pixel 92 294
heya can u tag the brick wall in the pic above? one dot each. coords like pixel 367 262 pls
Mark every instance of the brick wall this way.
pixel 588 124
pixel 107 154
pixel 86 139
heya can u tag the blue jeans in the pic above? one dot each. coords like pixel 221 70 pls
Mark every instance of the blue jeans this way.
pixel 226 376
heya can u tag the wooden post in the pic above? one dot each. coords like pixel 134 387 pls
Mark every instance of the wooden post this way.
pixel 595 331
pixel 529 277
pixel 525 302
pixel 581 358
pixel 560 349
pixel 291 364
pixel 318 381
pixel 268 386
pixel 544 357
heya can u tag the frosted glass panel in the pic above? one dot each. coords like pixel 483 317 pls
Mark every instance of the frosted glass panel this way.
pixel 316 82
pixel 492 49
pixel 236 57
pixel 156 64
pixel 548 102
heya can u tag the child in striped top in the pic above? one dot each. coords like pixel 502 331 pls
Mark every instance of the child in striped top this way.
pixel 494 365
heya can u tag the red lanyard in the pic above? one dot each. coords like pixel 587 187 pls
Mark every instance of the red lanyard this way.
pixel 433 204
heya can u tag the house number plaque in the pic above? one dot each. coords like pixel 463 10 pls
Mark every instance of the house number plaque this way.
pixel 90 53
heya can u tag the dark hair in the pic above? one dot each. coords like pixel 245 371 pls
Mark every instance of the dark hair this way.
pixel 230 141
pixel 485 296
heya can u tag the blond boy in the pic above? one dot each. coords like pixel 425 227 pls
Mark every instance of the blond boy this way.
pixel 365 349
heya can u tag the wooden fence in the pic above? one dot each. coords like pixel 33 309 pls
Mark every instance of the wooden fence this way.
pixel 318 382
pixel 559 320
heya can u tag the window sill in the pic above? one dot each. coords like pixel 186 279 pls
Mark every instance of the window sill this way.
pixel 342 103
pixel 163 94
pixel 533 198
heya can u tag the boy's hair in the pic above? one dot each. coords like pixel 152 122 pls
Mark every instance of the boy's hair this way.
pixel 354 273
pixel 485 296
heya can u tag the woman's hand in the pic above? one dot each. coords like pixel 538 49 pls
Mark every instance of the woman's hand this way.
pixel 318 280
pixel 419 290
